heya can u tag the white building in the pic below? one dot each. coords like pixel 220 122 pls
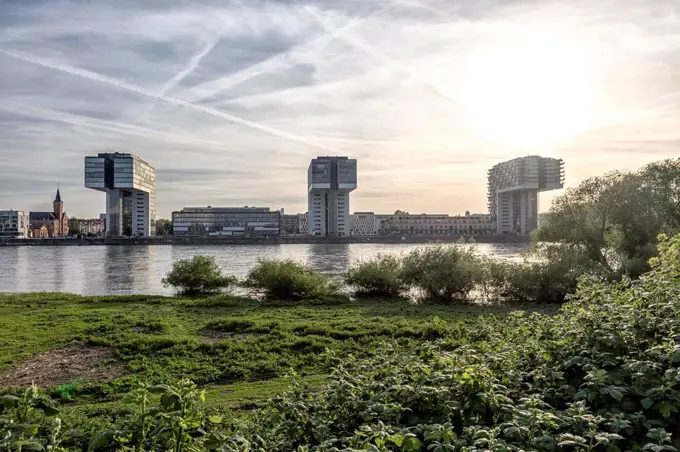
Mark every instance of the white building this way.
pixel 330 181
pixel 130 186
pixel 94 226
pixel 364 224
pixel 14 223
pixel 513 191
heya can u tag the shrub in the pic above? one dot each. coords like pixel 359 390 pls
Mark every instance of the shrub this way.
pixel 546 275
pixel 381 275
pixel 199 275
pixel 289 280
pixel 443 272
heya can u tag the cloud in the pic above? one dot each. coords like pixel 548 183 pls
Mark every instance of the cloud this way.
pixel 229 100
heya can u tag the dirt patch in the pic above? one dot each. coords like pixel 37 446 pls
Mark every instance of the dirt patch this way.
pixel 64 365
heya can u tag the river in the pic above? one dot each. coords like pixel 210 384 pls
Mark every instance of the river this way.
pixel 118 270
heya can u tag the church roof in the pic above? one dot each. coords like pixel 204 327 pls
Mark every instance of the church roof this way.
pixel 41 216
pixel 58 198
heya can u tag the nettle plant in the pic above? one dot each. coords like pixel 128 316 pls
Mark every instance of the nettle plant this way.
pixel 29 422
pixel 603 375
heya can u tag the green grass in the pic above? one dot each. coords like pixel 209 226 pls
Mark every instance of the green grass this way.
pixel 238 349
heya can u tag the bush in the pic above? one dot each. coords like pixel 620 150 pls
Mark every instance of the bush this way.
pixel 199 275
pixel 289 280
pixel 443 272
pixel 381 276
pixel 547 275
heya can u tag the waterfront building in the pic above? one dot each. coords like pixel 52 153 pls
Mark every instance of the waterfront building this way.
pixel 39 233
pixel 91 227
pixel 513 188
pixel 56 221
pixel 303 222
pixel 293 224
pixel 14 224
pixel 329 183
pixel 227 221
pixel 364 224
pixel 130 186
pixel 406 224
pixel 290 224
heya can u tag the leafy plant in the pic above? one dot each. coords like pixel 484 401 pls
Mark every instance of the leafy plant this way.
pixel 379 276
pixel 289 280
pixel 27 422
pixel 199 275
pixel 443 273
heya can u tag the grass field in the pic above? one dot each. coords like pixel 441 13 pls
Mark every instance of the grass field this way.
pixel 88 351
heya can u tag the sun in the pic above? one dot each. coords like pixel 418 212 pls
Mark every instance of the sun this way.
pixel 529 88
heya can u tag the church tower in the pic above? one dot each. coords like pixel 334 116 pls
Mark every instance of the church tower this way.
pixel 58 213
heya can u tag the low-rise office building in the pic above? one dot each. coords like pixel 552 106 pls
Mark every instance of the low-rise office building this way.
pixel 14 224
pixel 227 221
pixel 404 223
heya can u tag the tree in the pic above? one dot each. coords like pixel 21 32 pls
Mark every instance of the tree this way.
pixel 163 227
pixel 73 227
pixel 614 219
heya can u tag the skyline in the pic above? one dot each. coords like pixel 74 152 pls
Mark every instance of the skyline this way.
pixel 229 101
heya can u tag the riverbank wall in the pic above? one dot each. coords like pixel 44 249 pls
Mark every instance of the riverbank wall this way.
pixel 282 240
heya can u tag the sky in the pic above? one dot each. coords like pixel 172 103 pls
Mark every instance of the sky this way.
pixel 230 100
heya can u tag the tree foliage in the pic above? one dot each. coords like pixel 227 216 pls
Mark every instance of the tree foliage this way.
pixel 163 227
pixel 614 219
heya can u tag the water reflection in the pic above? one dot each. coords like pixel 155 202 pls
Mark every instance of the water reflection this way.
pixel 328 258
pixel 139 269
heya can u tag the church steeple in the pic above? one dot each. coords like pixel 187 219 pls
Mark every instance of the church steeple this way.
pixel 58 205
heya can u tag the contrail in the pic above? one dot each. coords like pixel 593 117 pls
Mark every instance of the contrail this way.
pixel 279 60
pixel 191 67
pixel 113 126
pixel 394 65
pixel 89 75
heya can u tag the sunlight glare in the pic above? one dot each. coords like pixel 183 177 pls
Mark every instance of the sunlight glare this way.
pixel 529 89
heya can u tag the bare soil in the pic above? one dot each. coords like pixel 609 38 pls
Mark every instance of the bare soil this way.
pixel 63 365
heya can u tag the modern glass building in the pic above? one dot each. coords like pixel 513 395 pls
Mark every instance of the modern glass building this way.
pixel 14 223
pixel 330 181
pixel 227 221
pixel 130 186
pixel 513 191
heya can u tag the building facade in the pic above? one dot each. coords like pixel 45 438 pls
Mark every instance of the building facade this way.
pixel 56 222
pixel 406 224
pixel 290 224
pixel 513 189
pixel 227 221
pixel 39 233
pixel 130 186
pixel 365 224
pixel 330 180
pixel 303 222
pixel 14 224
pixel 90 227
